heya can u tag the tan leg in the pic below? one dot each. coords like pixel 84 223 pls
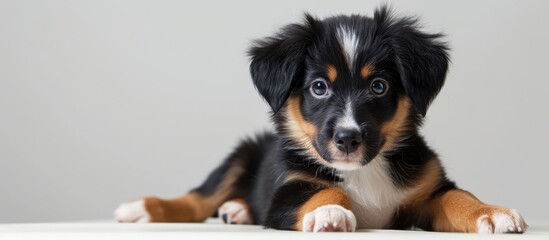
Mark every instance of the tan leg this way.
pixel 460 211
pixel 193 207
pixel 190 208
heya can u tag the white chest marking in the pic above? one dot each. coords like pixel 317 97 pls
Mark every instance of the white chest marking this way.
pixel 374 196
pixel 349 43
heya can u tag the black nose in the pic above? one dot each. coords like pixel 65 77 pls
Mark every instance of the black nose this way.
pixel 347 140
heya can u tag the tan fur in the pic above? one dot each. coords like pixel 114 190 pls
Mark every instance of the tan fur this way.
pixel 301 130
pixel 333 195
pixel 453 211
pixel 294 113
pixel 182 209
pixel 193 207
pixel 394 128
pixel 423 188
pixel 366 71
pixel 458 211
pixel 331 72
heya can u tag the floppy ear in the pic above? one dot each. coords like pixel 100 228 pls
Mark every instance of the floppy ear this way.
pixel 277 62
pixel 422 59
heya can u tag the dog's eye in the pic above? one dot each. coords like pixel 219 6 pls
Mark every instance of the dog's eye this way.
pixel 379 86
pixel 319 88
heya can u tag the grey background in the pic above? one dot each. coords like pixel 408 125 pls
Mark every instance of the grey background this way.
pixel 106 101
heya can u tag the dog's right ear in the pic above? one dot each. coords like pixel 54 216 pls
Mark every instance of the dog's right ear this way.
pixel 277 62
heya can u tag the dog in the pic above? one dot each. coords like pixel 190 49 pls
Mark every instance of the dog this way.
pixel 348 94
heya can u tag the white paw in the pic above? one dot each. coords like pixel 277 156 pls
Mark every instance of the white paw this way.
pixel 329 218
pixel 508 221
pixel 132 212
pixel 235 212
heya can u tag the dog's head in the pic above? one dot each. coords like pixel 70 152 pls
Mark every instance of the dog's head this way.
pixel 349 88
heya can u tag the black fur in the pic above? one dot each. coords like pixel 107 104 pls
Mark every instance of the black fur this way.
pixel 422 59
pixel 282 216
pixel 284 66
pixel 278 62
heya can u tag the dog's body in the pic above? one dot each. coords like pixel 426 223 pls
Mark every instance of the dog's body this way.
pixel 348 94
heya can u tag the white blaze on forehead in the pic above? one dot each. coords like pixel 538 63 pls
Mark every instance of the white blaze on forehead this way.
pixel 349 43
pixel 348 120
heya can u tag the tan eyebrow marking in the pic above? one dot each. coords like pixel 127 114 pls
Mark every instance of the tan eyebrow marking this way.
pixel 366 71
pixel 331 72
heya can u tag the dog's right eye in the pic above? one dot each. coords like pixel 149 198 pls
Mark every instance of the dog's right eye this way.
pixel 320 89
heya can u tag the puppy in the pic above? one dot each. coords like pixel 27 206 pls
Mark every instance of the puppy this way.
pixel 348 94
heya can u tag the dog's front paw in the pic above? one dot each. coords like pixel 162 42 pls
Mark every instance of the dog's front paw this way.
pixel 132 212
pixel 500 220
pixel 329 218
pixel 235 212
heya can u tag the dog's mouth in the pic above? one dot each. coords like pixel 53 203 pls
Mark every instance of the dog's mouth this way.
pixel 346 160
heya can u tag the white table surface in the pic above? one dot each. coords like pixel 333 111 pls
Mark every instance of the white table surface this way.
pixel 216 230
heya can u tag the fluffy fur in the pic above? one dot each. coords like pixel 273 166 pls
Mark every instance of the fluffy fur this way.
pixel 348 94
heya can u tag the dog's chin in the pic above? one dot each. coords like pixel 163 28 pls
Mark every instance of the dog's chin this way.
pixel 346 165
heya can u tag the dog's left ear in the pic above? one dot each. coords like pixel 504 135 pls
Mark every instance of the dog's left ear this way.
pixel 422 60
pixel 277 62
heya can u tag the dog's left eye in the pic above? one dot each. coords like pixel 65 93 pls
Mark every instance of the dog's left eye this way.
pixel 319 88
